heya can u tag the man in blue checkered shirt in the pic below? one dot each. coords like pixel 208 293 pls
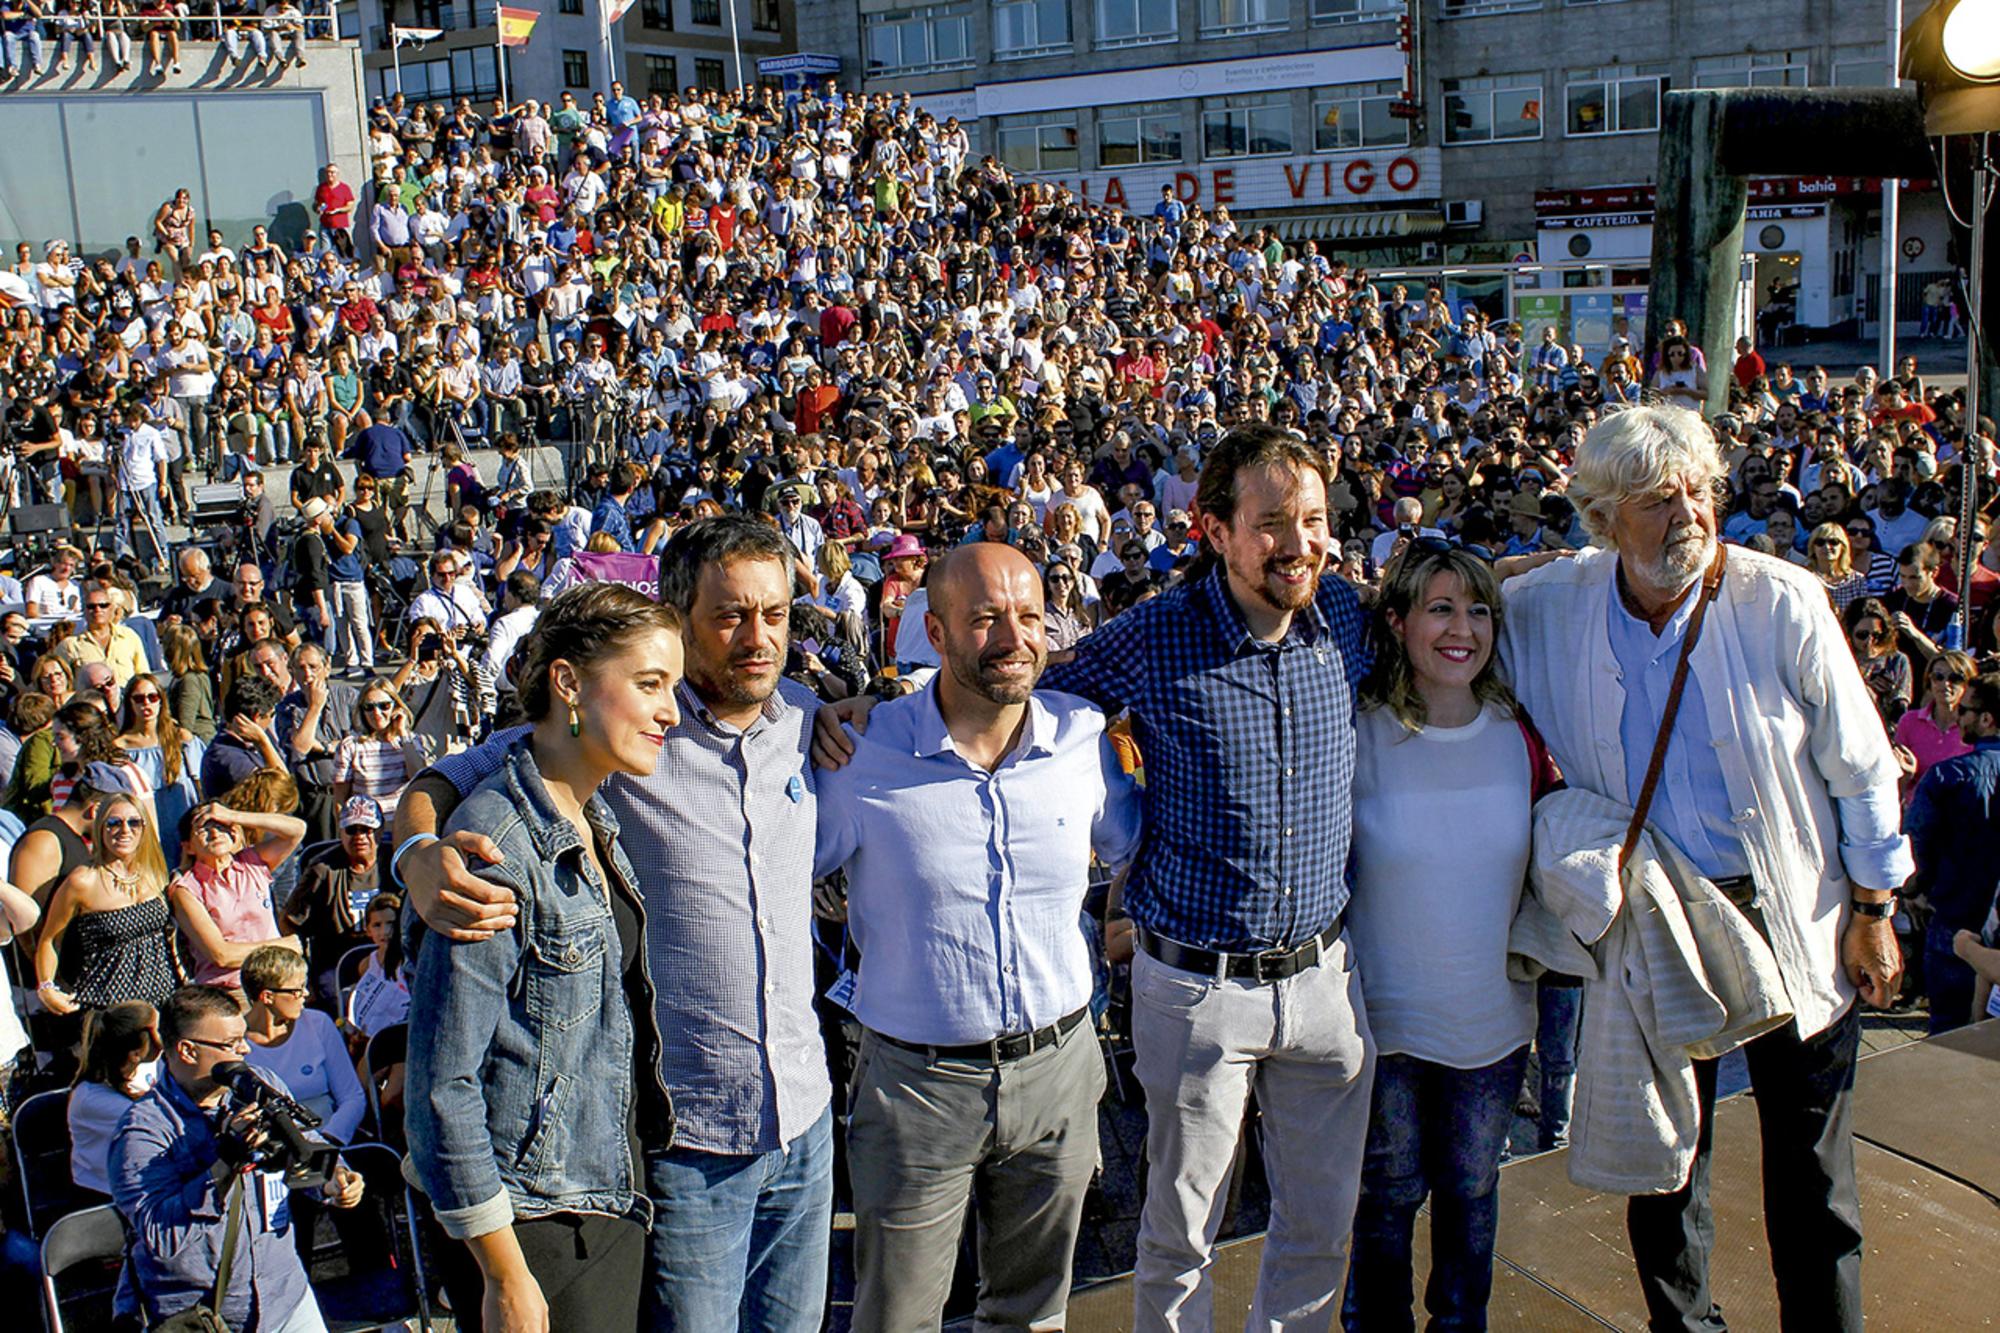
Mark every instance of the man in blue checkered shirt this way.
pixel 1241 685
pixel 1241 682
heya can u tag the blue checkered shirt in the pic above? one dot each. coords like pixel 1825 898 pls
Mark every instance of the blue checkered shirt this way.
pixel 1249 753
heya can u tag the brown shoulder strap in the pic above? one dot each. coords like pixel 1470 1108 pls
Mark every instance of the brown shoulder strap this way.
pixel 1710 582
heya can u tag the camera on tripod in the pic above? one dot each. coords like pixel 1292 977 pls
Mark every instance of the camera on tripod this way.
pixel 276 1137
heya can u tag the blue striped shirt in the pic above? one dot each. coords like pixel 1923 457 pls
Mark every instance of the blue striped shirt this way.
pixel 1249 751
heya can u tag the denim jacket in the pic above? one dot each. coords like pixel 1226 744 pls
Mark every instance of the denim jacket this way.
pixel 523 1046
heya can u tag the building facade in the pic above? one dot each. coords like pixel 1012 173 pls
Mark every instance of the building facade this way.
pixel 659 46
pixel 1406 132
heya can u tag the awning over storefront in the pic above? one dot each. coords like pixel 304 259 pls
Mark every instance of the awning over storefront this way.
pixel 1386 225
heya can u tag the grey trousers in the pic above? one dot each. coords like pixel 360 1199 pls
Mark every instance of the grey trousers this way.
pixel 1019 1139
pixel 1200 1046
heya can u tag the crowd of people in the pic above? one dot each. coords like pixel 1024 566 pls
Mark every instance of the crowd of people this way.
pixel 918 623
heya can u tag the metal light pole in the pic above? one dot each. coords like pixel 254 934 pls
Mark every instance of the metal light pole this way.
pixel 1891 215
pixel 1969 463
pixel 735 42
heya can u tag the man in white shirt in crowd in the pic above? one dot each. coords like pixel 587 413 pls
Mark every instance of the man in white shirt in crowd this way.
pixel 452 601
pixel 55 591
pixel 141 457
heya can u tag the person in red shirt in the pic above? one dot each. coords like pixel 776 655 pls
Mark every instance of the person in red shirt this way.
pixel 357 310
pixel 1749 365
pixel 335 200
pixel 816 401
pixel 835 323
pixel 1892 404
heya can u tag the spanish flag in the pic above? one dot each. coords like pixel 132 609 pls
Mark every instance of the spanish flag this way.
pixel 515 25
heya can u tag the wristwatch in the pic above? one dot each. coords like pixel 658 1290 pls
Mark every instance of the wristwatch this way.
pixel 1879 911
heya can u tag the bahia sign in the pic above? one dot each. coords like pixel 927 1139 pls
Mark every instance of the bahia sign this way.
pixel 1376 176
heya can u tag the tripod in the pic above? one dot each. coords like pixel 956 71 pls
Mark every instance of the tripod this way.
pixel 129 500
pixel 448 432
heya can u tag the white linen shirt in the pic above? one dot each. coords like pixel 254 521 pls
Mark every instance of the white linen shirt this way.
pixel 1792 724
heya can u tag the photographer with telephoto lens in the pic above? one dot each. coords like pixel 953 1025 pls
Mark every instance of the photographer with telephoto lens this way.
pixel 202 1168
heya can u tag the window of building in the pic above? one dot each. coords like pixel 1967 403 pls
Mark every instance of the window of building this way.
pixel 657 15
pixel 1860 67
pixel 766 16
pixel 661 76
pixel 576 69
pixel 1253 125
pixel 1231 18
pixel 1770 69
pixel 1356 115
pixel 916 41
pixel 1354 11
pixel 474 73
pixel 1041 141
pixel 1462 9
pixel 1129 136
pixel 1614 99
pixel 569 6
pixel 1136 22
pixel 705 11
pixel 708 75
pixel 1024 28
pixel 1492 109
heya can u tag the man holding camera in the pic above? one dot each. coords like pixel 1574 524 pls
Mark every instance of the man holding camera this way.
pixel 173 1161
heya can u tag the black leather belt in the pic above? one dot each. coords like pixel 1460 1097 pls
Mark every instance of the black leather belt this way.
pixel 1000 1049
pixel 1266 966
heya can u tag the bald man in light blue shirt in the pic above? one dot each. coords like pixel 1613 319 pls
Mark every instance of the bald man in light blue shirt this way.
pixel 966 821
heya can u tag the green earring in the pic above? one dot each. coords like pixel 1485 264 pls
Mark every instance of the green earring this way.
pixel 575 722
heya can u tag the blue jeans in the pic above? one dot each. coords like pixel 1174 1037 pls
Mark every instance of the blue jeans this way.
pixel 740 1241
pixel 1948 982
pixel 1433 1131
pixel 1558 1011
pixel 14 45
pixel 136 509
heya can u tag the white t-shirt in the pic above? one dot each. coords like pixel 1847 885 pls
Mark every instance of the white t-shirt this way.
pixel 1430 914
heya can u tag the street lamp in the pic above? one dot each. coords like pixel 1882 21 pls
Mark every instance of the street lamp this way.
pixel 1952 50
pixel 1971 40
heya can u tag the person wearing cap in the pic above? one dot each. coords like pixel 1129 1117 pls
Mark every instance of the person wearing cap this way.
pixel 902 578
pixel 312 573
pixel 1524 518
pixel 328 910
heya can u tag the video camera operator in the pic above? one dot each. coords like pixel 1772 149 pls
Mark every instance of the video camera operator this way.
pixel 177 1154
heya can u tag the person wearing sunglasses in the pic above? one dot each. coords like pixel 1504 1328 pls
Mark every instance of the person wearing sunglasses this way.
pixel 104 638
pixel 223 899
pixel 1929 732
pixel 299 1044
pixel 1871 632
pixel 168 756
pixel 117 904
pixel 381 756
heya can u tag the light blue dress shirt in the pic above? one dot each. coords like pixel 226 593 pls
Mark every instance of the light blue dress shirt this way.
pixel 1691 804
pixel 964 887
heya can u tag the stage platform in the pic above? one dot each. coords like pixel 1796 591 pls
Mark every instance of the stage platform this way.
pixel 1927 1151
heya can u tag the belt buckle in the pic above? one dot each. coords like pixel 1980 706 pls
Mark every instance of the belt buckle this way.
pixel 1268 962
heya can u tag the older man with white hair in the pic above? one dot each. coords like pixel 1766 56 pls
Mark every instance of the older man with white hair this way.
pixel 1777 782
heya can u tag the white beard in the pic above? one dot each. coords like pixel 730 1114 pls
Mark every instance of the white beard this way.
pixel 1686 554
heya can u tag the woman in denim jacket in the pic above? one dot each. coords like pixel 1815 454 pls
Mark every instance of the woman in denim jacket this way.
pixel 534 1055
